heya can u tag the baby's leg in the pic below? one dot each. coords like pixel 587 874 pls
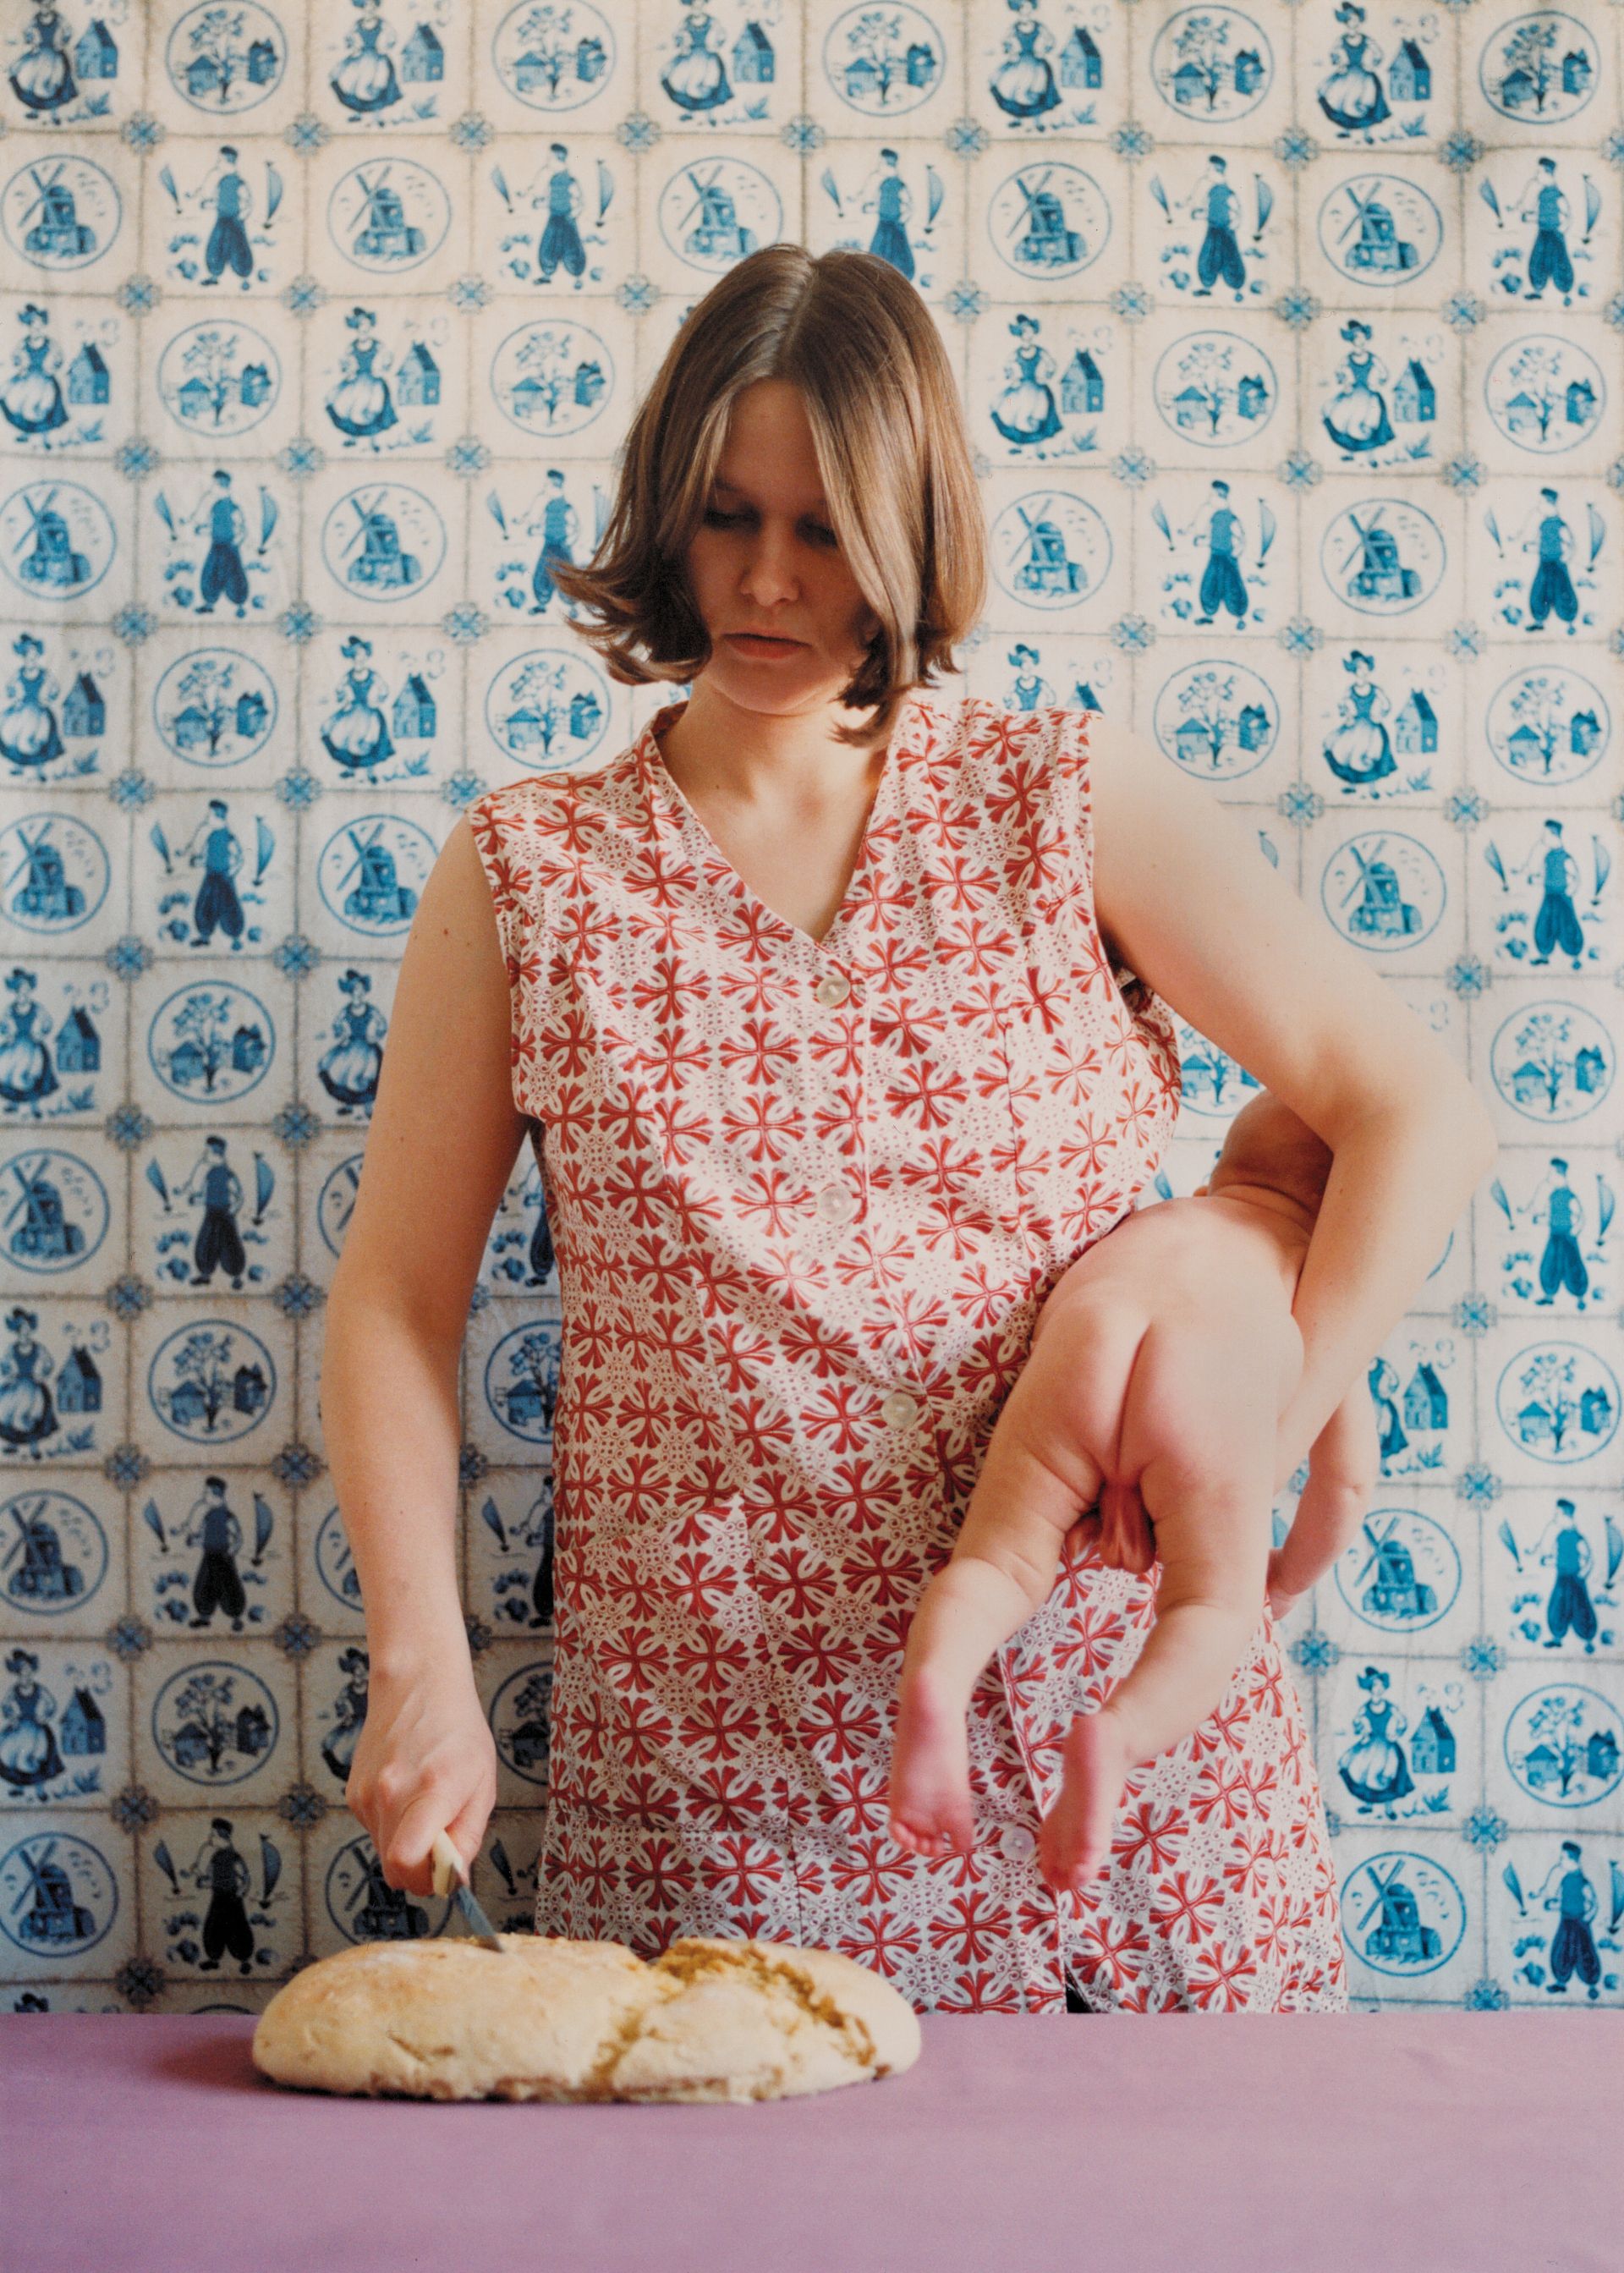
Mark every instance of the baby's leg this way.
pixel 1199 1423
pixel 1041 1471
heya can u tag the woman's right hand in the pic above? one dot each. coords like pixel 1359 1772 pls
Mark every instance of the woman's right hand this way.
pixel 426 1762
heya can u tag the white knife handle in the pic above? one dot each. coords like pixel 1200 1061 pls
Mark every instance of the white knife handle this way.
pixel 449 1867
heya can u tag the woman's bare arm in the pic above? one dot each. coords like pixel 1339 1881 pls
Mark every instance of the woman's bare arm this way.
pixel 444 1135
pixel 1186 902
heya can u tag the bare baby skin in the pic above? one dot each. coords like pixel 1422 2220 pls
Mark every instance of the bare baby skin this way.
pixel 1160 1365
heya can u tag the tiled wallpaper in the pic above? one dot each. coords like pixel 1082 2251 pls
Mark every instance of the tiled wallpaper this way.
pixel 1290 337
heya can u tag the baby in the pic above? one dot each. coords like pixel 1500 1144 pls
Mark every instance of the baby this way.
pixel 1159 1366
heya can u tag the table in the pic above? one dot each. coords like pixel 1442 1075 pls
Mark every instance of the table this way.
pixel 1404 2142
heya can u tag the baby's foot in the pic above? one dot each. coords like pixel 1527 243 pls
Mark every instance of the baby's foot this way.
pixel 1073 1845
pixel 930 1795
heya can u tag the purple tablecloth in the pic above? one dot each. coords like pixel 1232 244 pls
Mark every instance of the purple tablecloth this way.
pixel 1409 2142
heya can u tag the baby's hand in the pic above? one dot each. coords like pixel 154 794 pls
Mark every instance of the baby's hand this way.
pixel 1344 1468
pixel 1282 1600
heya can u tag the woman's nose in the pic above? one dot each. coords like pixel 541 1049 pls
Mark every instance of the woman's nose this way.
pixel 770 562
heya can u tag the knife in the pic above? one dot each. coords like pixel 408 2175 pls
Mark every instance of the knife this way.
pixel 451 1877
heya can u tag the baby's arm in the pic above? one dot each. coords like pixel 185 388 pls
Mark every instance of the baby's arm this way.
pixel 1342 1470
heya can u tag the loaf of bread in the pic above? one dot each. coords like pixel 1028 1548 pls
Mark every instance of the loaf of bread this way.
pixel 552 2019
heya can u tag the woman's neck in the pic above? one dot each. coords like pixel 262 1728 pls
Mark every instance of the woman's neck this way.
pixel 758 764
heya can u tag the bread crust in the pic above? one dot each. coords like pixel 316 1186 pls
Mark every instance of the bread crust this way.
pixel 710 2019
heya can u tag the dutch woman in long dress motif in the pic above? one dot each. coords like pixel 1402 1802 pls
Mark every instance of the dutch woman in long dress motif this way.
pixel 365 81
pixel 361 405
pixel 1023 84
pixel 27 1075
pixel 1373 1767
pixel 1352 96
pixel 31 396
pixel 1359 751
pixel 29 1759
pixel 1383 1386
pixel 43 76
pixel 1356 417
pixel 357 735
pixel 27 1413
pixel 348 1071
pixel 1025 411
pixel 30 738
pixel 696 78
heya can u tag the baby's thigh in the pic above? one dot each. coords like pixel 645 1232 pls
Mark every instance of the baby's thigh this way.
pixel 1198 1428
pixel 1067 1406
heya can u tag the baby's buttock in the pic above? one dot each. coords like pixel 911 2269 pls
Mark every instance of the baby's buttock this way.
pixel 1192 1333
pixel 1176 1268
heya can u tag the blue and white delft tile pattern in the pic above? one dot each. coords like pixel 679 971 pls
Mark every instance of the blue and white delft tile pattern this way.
pixel 1290 337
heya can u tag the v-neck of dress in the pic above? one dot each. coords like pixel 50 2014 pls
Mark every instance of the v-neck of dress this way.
pixel 663 785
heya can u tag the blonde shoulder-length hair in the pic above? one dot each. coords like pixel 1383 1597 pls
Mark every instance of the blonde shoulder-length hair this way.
pixel 849 331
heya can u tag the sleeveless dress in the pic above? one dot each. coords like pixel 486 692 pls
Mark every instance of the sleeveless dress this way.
pixel 807 1198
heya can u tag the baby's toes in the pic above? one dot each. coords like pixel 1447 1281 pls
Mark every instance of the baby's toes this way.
pixel 1077 1868
pixel 921 1835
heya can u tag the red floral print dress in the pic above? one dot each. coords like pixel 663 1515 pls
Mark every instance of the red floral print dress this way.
pixel 807 1198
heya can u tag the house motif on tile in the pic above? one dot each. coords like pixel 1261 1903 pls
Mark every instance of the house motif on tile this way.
pixel 83 713
pixel 419 375
pixel 422 59
pixel 1082 387
pixel 1415 398
pixel 1415 730
pixel 87 375
pixel 95 52
pixel 415 715
pixel 78 1385
pixel 1409 75
pixel 755 61
pixel 1080 60
pixel 78 1050
pixel 1432 1748
pixel 83 1729
pixel 1427 1403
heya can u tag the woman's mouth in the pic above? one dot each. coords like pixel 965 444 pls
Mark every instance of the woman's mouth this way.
pixel 755 643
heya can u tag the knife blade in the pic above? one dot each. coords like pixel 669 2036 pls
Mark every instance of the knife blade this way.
pixel 451 1877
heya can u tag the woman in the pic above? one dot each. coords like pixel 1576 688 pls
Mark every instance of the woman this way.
pixel 811 997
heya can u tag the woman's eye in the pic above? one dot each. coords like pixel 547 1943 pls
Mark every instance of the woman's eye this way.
pixel 716 518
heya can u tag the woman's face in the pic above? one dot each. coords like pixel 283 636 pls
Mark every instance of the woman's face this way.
pixel 765 559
